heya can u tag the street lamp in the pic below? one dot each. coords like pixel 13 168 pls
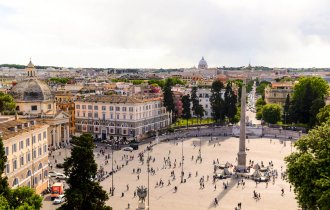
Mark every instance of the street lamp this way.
pixel 112 168
pixel 148 164
pixel 182 160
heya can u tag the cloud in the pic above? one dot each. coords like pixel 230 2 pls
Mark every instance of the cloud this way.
pixel 159 33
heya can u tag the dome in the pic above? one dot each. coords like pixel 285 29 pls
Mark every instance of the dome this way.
pixel 31 90
pixel 202 64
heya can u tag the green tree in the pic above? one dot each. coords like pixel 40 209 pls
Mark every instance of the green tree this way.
pixel 7 102
pixel 4 189
pixel 305 92
pixel 168 96
pixel 200 111
pixel 83 193
pixel 230 103
pixel 286 108
pixel 194 99
pixel 308 169
pixel 261 88
pixel 271 113
pixel 323 115
pixel 24 198
pixel 317 104
pixel 186 112
pixel 217 102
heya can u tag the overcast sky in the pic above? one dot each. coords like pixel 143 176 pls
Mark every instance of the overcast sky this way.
pixel 165 33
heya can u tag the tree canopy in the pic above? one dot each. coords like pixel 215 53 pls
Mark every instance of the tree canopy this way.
pixel 186 112
pixel 168 96
pixel 271 113
pixel 230 104
pixel 306 99
pixel 7 102
pixel 323 115
pixel 217 102
pixel 83 193
pixel 309 168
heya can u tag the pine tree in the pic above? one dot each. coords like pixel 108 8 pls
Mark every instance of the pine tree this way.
pixel 286 108
pixel 217 103
pixel 194 99
pixel 168 96
pixel 83 193
pixel 186 112
pixel 4 189
pixel 230 107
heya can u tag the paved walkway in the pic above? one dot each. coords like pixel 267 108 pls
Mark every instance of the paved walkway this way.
pixel 190 195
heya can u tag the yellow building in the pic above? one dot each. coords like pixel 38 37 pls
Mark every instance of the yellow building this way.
pixel 26 147
pixel 277 92
pixel 65 102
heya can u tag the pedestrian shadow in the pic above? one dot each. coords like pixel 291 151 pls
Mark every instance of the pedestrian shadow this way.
pixel 231 184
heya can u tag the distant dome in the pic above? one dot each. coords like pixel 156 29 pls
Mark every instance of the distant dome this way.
pixel 202 64
pixel 31 90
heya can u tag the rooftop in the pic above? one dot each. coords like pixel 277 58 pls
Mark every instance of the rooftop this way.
pixel 118 99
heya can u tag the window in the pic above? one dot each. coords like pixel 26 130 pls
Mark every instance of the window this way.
pixel 34 153
pixel 90 107
pixel 118 109
pixel 45 148
pixel 104 108
pixel 77 106
pixel 123 109
pixel 14 164
pixel 117 116
pixel 14 148
pixel 206 106
pixel 34 108
pixel 84 114
pixel 33 139
pixel 15 182
pixel 39 137
pixel 7 168
pixel 96 108
pixel 7 151
pixel 96 115
pixel 131 117
pixel 45 134
pixel 90 115
pixel 130 109
pixel 21 161
pixel 111 116
pixel 49 106
pixel 83 106
pixel 39 151
pixel 28 157
pixel 78 113
pixel 21 145
pixel 124 116
pixel 111 108
pixel 103 116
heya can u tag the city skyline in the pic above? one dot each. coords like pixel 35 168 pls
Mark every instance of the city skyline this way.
pixel 171 34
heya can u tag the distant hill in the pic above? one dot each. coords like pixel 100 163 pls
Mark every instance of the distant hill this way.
pixel 18 66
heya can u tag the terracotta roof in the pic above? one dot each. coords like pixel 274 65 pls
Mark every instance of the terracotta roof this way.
pixel 7 133
pixel 118 99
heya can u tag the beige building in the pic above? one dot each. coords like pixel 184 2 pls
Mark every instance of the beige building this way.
pixel 127 117
pixel 35 100
pixel 26 147
pixel 277 92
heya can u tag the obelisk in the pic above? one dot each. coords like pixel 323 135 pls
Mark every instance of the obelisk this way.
pixel 241 155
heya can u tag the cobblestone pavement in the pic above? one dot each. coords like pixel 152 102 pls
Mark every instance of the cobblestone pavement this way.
pixel 190 195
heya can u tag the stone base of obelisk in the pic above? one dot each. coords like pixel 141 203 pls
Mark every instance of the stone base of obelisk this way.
pixel 142 206
pixel 241 162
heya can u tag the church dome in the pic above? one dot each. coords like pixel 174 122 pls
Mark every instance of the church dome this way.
pixel 202 64
pixel 31 90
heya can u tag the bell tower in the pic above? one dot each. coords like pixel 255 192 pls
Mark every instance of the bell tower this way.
pixel 31 71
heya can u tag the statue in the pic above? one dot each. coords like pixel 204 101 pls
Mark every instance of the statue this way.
pixel 142 193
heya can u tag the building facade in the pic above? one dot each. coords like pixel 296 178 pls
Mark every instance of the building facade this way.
pixel 127 117
pixel 26 148
pixel 277 92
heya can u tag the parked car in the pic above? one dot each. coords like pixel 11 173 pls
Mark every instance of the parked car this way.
pixel 129 149
pixel 59 165
pixel 61 176
pixel 52 174
pixel 59 199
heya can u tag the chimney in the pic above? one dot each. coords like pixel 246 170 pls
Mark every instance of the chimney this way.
pixel 20 126
pixel 27 124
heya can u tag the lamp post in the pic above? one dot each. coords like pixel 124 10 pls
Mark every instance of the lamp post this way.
pixel 112 167
pixel 148 164
pixel 182 160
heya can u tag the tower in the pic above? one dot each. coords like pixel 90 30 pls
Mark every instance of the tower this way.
pixel 241 156
pixel 31 71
